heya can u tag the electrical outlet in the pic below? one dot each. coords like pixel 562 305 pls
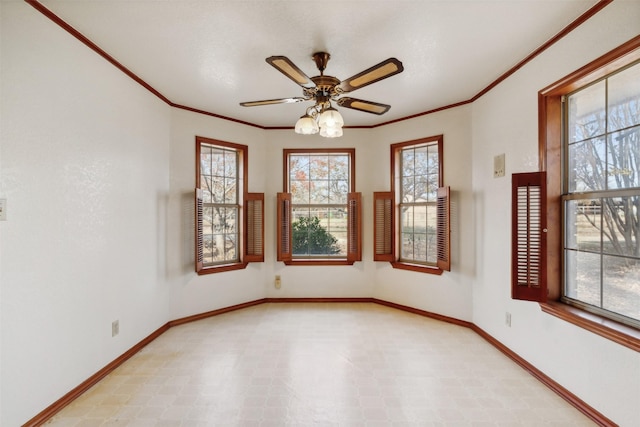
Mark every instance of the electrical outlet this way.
pixel 278 282
pixel 507 319
pixel 115 328
pixel 3 209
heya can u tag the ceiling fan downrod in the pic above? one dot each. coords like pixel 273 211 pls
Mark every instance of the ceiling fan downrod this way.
pixel 321 59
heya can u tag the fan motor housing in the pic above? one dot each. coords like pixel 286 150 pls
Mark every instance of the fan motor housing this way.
pixel 326 84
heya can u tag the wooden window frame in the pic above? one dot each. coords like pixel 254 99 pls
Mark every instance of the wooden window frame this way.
pixel 386 217
pixel 284 215
pixel 250 220
pixel 550 154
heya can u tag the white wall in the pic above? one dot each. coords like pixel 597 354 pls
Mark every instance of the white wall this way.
pixel 84 158
pixel 604 374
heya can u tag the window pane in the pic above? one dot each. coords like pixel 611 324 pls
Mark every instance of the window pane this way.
pixel 338 191
pixel 582 271
pixel 433 160
pixel 406 247
pixel 422 189
pixel 230 220
pixel 621 288
pixel 624 159
pixel 432 189
pixel 205 185
pixel 339 167
pixel 311 235
pixel 230 166
pixel 219 231
pixel 583 223
pixel 587 113
pixel 319 167
pixel 230 191
pixel 624 99
pixel 408 162
pixel 621 216
pixel 216 188
pixel 336 225
pixel 421 160
pixel 408 185
pixel 205 161
pixel 299 192
pixel 406 219
pixel 432 248
pixel 318 192
pixel 217 162
pixel 587 165
pixel 298 167
pixel 418 233
pixel 230 244
pixel 207 248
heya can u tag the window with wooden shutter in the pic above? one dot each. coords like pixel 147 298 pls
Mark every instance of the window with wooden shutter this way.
pixel 354 227
pixel 444 228
pixel 320 221
pixel 528 264
pixel 411 222
pixel 284 250
pixel 383 228
pixel 254 227
pixel 224 210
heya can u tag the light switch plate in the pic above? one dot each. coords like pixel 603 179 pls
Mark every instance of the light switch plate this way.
pixel 498 166
pixel 3 209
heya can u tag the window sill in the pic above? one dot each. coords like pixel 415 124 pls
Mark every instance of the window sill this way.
pixel 614 331
pixel 417 267
pixel 319 262
pixel 222 268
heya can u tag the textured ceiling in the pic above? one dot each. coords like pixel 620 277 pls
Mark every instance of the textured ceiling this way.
pixel 210 55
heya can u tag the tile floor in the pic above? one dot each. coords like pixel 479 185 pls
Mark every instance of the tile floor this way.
pixel 319 364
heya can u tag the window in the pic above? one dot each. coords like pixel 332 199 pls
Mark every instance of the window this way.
pixel 601 195
pixel 590 150
pixel 319 219
pixel 419 239
pixel 229 220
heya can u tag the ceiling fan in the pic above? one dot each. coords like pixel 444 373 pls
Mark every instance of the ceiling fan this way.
pixel 322 117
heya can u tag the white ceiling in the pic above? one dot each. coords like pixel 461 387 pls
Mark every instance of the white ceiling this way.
pixel 210 55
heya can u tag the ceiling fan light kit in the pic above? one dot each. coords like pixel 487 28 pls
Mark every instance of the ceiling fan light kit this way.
pixel 322 117
pixel 307 125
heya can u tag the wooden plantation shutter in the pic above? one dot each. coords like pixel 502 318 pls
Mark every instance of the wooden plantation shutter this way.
pixel 285 249
pixel 354 227
pixel 528 234
pixel 444 228
pixel 254 228
pixel 383 226
pixel 198 220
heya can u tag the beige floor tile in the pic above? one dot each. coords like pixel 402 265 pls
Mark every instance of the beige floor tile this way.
pixel 315 364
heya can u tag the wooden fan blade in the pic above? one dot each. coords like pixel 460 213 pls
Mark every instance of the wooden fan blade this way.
pixel 272 101
pixel 289 69
pixel 361 105
pixel 376 73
